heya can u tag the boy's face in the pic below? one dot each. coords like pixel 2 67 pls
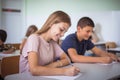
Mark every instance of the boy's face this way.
pixel 85 33
pixel 1 42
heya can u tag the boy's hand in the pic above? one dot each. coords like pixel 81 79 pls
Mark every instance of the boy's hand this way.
pixel 114 57
pixel 106 60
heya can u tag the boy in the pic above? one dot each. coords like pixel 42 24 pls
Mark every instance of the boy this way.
pixel 77 43
pixel 5 48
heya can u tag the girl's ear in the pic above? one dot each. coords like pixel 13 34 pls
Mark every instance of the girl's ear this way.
pixel 51 25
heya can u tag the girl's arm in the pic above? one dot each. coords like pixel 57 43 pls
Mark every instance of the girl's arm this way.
pixel 36 69
pixel 64 60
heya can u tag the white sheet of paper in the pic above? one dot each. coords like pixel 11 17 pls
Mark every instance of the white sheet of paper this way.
pixel 64 77
pixel 106 63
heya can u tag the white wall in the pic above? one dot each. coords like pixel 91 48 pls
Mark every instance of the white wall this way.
pixel 12 21
pixel 105 14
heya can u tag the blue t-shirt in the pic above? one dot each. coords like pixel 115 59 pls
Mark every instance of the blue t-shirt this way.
pixel 71 41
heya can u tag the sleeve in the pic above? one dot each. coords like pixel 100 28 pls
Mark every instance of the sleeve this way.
pixel 69 42
pixel 32 44
pixel 90 45
pixel 57 50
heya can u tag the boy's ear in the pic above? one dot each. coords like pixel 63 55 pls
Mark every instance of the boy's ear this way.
pixel 78 28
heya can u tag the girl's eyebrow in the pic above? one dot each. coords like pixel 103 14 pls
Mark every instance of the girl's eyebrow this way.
pixel 63 28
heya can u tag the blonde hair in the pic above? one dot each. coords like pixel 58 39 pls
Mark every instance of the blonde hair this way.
pixel 56 17
pixel 31 29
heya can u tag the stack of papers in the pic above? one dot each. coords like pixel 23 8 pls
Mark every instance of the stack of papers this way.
pixel 108 63
pixel 64 77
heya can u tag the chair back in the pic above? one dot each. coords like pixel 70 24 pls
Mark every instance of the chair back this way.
pixel 110 45
pixel 16 45
pixel 9 65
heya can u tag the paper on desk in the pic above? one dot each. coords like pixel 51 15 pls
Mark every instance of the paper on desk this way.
pixel 106 63
pixel 64 77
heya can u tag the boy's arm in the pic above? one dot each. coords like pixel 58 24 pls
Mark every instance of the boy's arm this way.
pixel 63 61
pixel 75 57
pixel 102 53
pixel 9 51
pixel 99 52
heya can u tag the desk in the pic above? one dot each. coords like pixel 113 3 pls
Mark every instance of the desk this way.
pixel 114 50
pixel 2 55
pixel 89 72
pixel 101 45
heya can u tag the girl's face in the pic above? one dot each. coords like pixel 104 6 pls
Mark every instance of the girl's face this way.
pixel 85 32
pixel 58 30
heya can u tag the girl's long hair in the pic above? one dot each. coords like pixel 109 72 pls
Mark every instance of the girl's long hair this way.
pixel 56 17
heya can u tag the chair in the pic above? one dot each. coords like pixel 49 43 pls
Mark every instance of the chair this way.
pixel 9 65
pixel 16 45
pixel 110 45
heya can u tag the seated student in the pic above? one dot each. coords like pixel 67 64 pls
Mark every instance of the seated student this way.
pixel 41 55
pixel 31 29
pixel 94 37
pixel 77 43
pixel 5 48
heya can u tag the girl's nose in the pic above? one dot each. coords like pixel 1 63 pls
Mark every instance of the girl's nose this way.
pixel 62 34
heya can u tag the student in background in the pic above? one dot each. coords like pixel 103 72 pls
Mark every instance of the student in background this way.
pixel 41 54
pixel 31 29
pixel 77 43
pixel 5 48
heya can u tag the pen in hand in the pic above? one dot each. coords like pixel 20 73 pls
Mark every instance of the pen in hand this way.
pixel 77 70
pixel 70 61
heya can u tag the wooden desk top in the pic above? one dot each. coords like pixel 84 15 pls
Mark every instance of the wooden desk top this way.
pixel 17 52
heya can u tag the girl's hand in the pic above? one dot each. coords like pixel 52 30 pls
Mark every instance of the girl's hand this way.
pixel 71 71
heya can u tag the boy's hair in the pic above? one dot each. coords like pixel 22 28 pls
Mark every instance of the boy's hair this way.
pixel 3 35
pixel 85 21
pixel 54 18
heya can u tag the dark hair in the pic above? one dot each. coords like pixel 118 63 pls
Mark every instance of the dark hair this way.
pixel 3 35
pixel 85 21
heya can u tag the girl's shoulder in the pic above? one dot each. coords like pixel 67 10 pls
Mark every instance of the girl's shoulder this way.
pixel 34 36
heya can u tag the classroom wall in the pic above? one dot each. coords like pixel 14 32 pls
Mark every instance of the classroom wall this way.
pixel 12 21
pixel 105 14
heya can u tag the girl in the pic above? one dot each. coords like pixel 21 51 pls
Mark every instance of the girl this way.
pixel 31 29
pixel 42 55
